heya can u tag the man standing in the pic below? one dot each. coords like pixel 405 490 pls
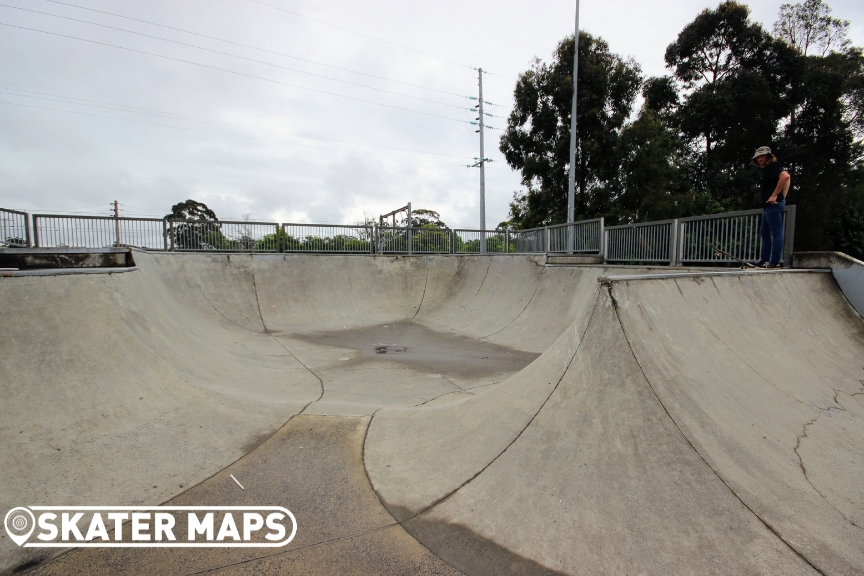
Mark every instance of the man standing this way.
pixel 775 187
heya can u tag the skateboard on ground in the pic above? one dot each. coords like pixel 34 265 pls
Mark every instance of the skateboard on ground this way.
pixel 719 253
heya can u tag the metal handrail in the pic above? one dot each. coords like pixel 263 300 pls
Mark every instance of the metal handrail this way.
pixel 77 217
pixel 721 215
pixel 641 224
pixel 691 239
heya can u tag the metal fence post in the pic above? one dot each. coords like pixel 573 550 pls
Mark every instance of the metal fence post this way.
pixel 164 235
pixel 171 234
pixel 600 238
pixel 605 249
pixel 507 240
pixel 371 231
pixel 789 236
pixel 673 243
pixel 35 232
pixel 27 231
pixel 546 239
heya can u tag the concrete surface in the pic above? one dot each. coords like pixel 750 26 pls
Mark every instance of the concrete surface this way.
pixel 314 467
pixel 526 419
pixel 848 271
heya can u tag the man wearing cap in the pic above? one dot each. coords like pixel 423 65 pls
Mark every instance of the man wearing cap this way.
pixel 775 187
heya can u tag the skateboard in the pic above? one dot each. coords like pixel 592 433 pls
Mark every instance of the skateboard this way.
pixel 719 253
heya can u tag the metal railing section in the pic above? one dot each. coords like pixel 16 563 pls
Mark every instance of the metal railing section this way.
pixel 716 238
pixel 582 237
pixel 328 238
pixel 650 242
pixel 14 229
pixel 480 241
pixel 223 235
pixel 59 231
pixel 530 240
pixel 729 237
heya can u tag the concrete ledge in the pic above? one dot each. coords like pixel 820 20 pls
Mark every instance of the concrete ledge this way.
pixel 66 271
pixel 574 259
pixel 50 258
pixel 626 278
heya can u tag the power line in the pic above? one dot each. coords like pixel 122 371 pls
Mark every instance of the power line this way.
pixel 257 48
pixel 376 38
pixel 232 72
pixel 234 56
pixel 366 35
pixel 173 116
pixel 213 133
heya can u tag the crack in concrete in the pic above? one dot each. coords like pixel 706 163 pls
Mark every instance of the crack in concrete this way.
pixel 442 395
pixel 266 331
pixel 764 521
pixel 423 297
pixel 798 440
pixel 536 288
pixel 229 319
pixel 483 281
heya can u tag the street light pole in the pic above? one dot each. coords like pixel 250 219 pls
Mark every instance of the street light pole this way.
pixel 482 166
pixel 571 177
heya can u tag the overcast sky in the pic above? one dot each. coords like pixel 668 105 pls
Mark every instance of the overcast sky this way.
pixel 276 143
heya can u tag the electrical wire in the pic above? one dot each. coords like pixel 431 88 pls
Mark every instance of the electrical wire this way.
pixel 234 56
pixel 257 48
pixel 173 116
pixel 232 72
pixel 214 133
pixel 366 35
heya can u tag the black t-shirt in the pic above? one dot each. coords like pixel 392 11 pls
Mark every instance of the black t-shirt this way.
pixel 770 178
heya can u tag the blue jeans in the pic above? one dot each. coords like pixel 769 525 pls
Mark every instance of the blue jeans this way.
pixel 772 232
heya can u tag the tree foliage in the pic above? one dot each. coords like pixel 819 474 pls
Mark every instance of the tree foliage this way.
pixel 809 25
pixel 203 233
pixel 733 87
pixel 537 139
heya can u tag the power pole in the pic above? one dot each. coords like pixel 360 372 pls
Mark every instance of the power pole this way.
pixel 571 177
pixel 482 160
pixel 117 222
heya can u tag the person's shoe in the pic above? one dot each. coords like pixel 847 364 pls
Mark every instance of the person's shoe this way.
pixel 760 264
pixel 774 265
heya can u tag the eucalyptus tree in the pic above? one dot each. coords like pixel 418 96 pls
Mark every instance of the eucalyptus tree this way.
pixel 536 141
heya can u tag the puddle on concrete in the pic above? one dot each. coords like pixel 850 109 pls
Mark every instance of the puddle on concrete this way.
pixel 417 347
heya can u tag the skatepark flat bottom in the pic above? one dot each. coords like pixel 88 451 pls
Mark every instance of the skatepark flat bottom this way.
pixel 401 363
pixel 475 415
pixel 314 467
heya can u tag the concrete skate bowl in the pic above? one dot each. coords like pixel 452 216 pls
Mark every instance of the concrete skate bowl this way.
pixel 443 415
